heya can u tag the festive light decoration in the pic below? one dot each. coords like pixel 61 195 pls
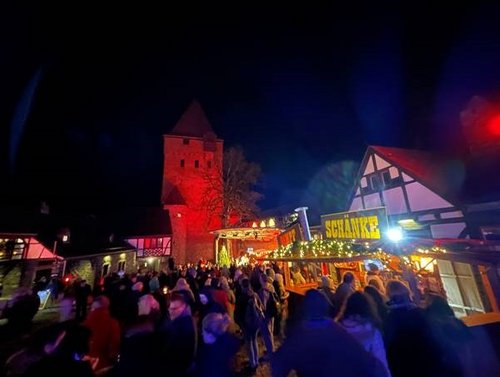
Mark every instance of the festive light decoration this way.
pixel 224 259
pixel 341 249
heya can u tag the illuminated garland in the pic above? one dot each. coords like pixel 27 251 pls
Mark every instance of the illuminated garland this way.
pixel 338 249
pixel 434 249
pixel 321 248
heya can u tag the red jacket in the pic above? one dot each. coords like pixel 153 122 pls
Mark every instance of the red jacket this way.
pixel 105 338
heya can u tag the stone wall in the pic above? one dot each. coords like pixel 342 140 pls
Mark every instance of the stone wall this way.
pixel 91 269
pixel 11 280
pixel 177 214
pixel 83 269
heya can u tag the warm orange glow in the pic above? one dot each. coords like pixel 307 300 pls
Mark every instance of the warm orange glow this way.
pixel 494 125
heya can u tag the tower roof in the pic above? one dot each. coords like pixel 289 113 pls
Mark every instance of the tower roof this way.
pixel 193 122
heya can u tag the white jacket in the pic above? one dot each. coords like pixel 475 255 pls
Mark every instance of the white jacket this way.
pixel 369 336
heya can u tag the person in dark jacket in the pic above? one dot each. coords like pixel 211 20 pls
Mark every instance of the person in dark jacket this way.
pixel 248 306
pixel 344 290
pixel 140 351
pixel 465 352
pixel 217 351
pixel 82 294
pixel 208 305
pixel 408 335
pixel 380 301
pixel 319 347
pixel 329 293
pixel 180 336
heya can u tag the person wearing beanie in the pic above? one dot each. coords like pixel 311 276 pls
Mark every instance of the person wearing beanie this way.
pixel 218 347
pixel 319 347
pixel 182 285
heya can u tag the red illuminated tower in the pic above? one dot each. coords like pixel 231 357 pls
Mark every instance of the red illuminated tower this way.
pixel 192 162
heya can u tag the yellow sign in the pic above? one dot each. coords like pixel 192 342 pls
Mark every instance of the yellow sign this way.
pixel 362 225
pixel 290 236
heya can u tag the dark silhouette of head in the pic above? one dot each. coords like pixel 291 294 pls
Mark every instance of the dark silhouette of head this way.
pixel 315 305
pixel 359 306
pixel 397 291
pixel 438 307
pixel 348 278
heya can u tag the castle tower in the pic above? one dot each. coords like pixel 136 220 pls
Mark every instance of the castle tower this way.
pixel 192 164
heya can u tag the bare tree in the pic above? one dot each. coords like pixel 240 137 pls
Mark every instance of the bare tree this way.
pixel 230 192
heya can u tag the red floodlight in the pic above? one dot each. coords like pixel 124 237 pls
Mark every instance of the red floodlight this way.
pixel 493 125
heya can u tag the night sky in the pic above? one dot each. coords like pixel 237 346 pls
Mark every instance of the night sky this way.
pixel 302 90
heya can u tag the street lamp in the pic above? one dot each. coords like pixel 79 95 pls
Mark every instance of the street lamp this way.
pixel 395 234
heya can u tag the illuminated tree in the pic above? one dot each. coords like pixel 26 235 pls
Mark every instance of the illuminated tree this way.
pixel 231 192
pixel 223 257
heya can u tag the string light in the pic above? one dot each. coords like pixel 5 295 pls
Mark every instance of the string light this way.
pixel 339 249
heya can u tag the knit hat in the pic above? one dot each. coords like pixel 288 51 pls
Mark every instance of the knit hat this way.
pixel 181 284
pixel 148 304
pixel 138 286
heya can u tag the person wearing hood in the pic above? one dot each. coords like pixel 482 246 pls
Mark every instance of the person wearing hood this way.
pixel 218 347
pixel 182 285
pixel 208 305
pixel 358 317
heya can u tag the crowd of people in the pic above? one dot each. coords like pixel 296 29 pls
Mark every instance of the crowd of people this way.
pixel 192 321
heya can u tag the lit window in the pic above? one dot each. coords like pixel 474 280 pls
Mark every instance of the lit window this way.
pixel 197 164
pixel 182 163
pixel 121 265
pixel 105 269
